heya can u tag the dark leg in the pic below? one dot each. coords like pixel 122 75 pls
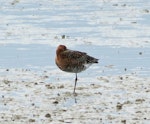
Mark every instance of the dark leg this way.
pixel 75 83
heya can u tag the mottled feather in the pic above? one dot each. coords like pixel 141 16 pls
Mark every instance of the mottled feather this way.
pixel 73 61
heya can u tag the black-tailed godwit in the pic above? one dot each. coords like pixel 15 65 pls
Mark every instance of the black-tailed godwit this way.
pixel 73 61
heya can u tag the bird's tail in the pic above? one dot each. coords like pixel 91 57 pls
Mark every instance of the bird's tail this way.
pixel 92 59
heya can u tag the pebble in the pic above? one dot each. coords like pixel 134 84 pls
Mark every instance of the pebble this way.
pixel 31 120
pixel 119 106
pixel 48 115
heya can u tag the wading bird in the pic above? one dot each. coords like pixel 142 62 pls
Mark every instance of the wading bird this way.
pixel 73 61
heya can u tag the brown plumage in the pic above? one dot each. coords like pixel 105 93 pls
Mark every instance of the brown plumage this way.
pixel 73 61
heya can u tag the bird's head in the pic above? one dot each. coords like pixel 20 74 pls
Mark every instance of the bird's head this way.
pixel 61 48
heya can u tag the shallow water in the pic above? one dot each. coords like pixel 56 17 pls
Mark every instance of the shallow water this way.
pixel 112 61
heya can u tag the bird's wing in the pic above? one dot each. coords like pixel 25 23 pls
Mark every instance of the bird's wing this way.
pixel 74 55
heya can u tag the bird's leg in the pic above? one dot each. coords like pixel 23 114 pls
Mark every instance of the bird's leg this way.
pixel 75 83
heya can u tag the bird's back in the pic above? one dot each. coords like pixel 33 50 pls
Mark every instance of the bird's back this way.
pixel 75 61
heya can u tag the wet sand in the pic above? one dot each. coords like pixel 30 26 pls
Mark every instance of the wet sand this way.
pixel 122 23
pixel 29 97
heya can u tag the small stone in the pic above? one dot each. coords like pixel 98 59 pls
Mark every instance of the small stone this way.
pixel 47 115
pixel 146 10
pixel 33 104
pixel 140 53
pixel 31 120
pixel 55 102
pixel 121 78
pixel 46 76
pixel 63 36
pixel 6 81
pixel 61 86
pixel 123 121
pixel 61 120
pixel 48 86
pixel 139 101
pixel 119 106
